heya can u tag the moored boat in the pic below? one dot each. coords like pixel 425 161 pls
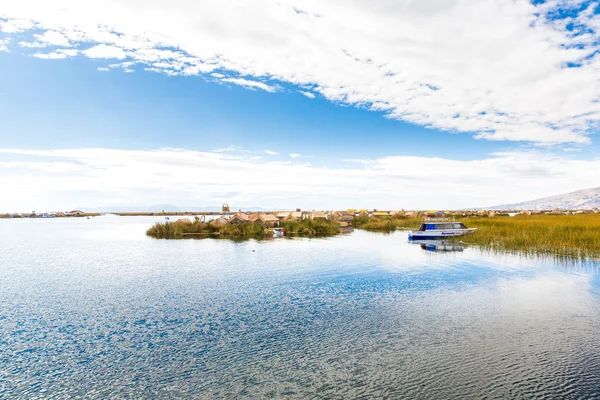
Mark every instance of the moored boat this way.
pixel 439 229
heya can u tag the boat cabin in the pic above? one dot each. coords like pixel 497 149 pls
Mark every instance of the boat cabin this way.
pixel 441 226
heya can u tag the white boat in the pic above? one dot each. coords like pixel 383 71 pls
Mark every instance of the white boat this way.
pixel 439 229
pixel 278 232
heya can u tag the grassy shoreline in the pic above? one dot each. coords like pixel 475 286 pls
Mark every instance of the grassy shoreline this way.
pixel 385 224
pixel 560 235
pixel 575 236
pixel 181 229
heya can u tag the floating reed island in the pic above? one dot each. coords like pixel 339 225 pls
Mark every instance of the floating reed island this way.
pixel 242 226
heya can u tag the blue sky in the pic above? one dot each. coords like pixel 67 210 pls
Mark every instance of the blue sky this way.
pixel 77 105
pixel 439 104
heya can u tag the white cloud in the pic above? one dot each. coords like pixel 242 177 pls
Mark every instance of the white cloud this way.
pixel 271 153
pixel 50 56
pixel 3 43
pixel 53 178
pixel 229 149
pixel 33 45
pixel 15 25
pixel 307 94
pixel 495 68
pixel 250 84
pixel 53 38
pixel 58 54
pixel 104 51
pixel 295 155
pixel 104 69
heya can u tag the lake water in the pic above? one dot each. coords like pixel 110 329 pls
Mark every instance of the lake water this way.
pixel 95 309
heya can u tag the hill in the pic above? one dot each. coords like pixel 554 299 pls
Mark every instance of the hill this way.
pixel 578 200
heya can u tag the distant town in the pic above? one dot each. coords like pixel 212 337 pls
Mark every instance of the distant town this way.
pixel 298 214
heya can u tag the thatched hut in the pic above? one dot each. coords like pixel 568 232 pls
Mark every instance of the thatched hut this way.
pixel 219 222
pixel 268 220
pixel 294 216
pixel 343 216
pixel 239 218
pixel 318 215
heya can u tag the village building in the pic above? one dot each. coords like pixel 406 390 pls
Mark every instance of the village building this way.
pixel 269 220
pixel 219 222
pixel 75 213
pixel 294 216
pixel 239 218
pixel 381 214
pixel 281 215
pixel 343 216
pixel 317 215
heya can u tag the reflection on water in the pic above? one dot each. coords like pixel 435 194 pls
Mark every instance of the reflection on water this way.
pixel 93 308
pixel 438 245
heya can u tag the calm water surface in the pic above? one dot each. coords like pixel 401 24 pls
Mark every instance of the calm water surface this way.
pixel 93 308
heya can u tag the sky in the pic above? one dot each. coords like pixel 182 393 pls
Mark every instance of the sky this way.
pixel 395 104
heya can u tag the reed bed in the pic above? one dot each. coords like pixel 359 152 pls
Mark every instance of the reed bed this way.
pixel 311 227
pixel 385 224
pixel 182 229
pixel 561 235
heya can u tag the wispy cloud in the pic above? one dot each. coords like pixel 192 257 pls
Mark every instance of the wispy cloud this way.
pixel 499 70
pixel 271 153
pixel 229 149
pixel 57 55
pixel 250 84
pixel 307 94
pixel 53 178
pixel 296 155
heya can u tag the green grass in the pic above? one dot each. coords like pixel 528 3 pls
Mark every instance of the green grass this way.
pixel 560 235
pixel 385 224
pixel 311 227
pixel 182 229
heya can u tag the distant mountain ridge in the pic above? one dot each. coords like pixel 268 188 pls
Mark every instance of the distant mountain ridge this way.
pixel 579 200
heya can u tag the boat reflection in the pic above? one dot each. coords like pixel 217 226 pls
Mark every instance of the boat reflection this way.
pixel 439 245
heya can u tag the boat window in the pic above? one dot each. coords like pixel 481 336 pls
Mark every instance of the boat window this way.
pixel 458 226
pixel 422 228
pixel 462 226
pixel 431 227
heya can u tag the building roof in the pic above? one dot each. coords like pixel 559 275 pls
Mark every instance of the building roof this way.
pixel 268 217
pixel 241 216
pixel 219 221
pixel 318 214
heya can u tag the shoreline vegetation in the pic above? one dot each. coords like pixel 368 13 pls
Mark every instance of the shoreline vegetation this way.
pixel 184 228
pixel 575 235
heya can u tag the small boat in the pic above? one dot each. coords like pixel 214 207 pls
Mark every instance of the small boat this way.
pixel 167 218
pixel 439 229
pixel 278 232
